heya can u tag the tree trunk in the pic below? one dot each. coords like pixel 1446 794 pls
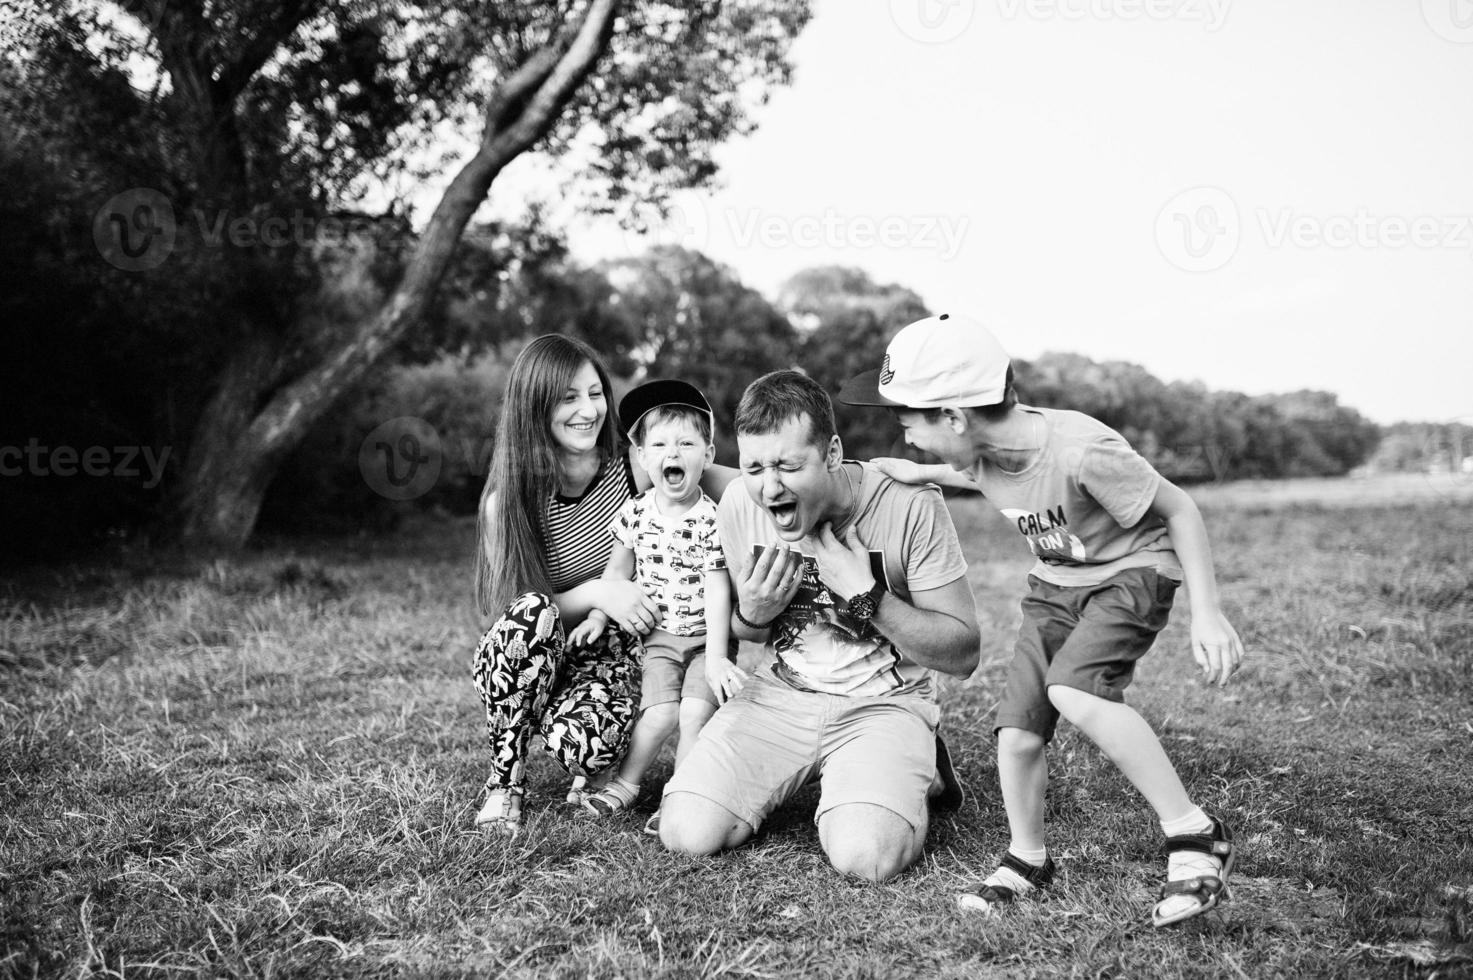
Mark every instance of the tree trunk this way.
pixel 250 424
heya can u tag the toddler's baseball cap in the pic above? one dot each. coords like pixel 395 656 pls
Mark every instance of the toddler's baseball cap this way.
pixel 941 360
pixel 656 394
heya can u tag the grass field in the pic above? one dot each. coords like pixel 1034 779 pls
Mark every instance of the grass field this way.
pixel 268 766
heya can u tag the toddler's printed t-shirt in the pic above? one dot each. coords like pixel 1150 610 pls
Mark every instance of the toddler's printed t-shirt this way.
pixel 1081 504
pixel 671 557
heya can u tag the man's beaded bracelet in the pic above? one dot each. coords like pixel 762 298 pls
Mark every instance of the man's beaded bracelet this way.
pixel 737 608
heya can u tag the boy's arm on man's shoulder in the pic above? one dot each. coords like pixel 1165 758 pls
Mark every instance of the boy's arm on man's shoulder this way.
pixel 908 471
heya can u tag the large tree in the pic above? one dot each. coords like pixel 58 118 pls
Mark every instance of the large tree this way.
pixel 259 109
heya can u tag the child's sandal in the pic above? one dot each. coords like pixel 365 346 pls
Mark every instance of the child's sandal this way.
pixel 609 800
pixel 502 811
pixel 983 897
pixel 1208 890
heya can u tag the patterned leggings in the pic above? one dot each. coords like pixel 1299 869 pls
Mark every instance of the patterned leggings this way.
pixel 583 702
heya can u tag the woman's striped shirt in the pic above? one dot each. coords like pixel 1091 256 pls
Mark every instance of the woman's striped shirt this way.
pixel 576 529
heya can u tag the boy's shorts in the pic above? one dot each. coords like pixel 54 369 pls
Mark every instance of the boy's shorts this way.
pixel 772 739
pixel 674 669
pixel 1085 637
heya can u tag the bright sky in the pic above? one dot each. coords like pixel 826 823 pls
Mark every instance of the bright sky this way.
pixel 1260 195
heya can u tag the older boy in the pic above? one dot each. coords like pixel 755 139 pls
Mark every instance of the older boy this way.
pixel 1113 539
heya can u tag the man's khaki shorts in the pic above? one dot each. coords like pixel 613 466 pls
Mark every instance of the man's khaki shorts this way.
pixel 772 739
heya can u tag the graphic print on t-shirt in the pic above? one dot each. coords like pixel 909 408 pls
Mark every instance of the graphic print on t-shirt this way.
pixel 1048 534
pixel 814 638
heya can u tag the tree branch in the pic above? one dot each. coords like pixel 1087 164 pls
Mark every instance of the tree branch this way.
pixel 236 73
pixel 521 110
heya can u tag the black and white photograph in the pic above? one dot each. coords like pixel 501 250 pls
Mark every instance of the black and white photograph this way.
pixel 736 489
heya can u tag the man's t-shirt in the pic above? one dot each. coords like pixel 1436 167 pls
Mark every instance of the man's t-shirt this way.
pixel 671 558
pixel 913 548
pixel 1081 504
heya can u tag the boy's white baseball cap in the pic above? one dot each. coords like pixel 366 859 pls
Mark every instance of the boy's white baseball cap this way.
pixel 939 361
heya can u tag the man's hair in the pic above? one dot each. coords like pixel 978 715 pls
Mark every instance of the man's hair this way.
pixel 775 398
pixel 698 419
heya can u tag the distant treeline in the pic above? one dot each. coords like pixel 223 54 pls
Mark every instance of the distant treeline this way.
pixel 674 312
pixel 115 362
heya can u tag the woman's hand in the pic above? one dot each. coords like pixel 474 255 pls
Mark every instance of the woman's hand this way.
pixel 626 604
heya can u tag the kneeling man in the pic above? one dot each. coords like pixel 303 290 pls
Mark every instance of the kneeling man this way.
pixel 857 586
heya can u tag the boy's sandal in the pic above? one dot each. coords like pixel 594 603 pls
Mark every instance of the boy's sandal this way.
pixel 502 811
pixel 606 802
pixel 1208 890
pixel 984 897
pixel 578 791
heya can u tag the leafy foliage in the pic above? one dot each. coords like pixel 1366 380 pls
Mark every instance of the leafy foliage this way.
pixel 241 113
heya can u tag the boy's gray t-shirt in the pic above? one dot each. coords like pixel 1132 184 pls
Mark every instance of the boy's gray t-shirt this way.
pixel 1082 503
pixel 913 547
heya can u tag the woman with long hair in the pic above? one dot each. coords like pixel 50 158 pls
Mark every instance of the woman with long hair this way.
pixel 558 476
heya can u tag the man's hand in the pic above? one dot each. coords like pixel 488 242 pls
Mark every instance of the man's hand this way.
pixel 587 631
pixel 843 564
pixel 1215 646
pixel 768 584
pixel 725 678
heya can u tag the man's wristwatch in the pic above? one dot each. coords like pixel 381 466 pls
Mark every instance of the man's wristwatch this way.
pixel 863 606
